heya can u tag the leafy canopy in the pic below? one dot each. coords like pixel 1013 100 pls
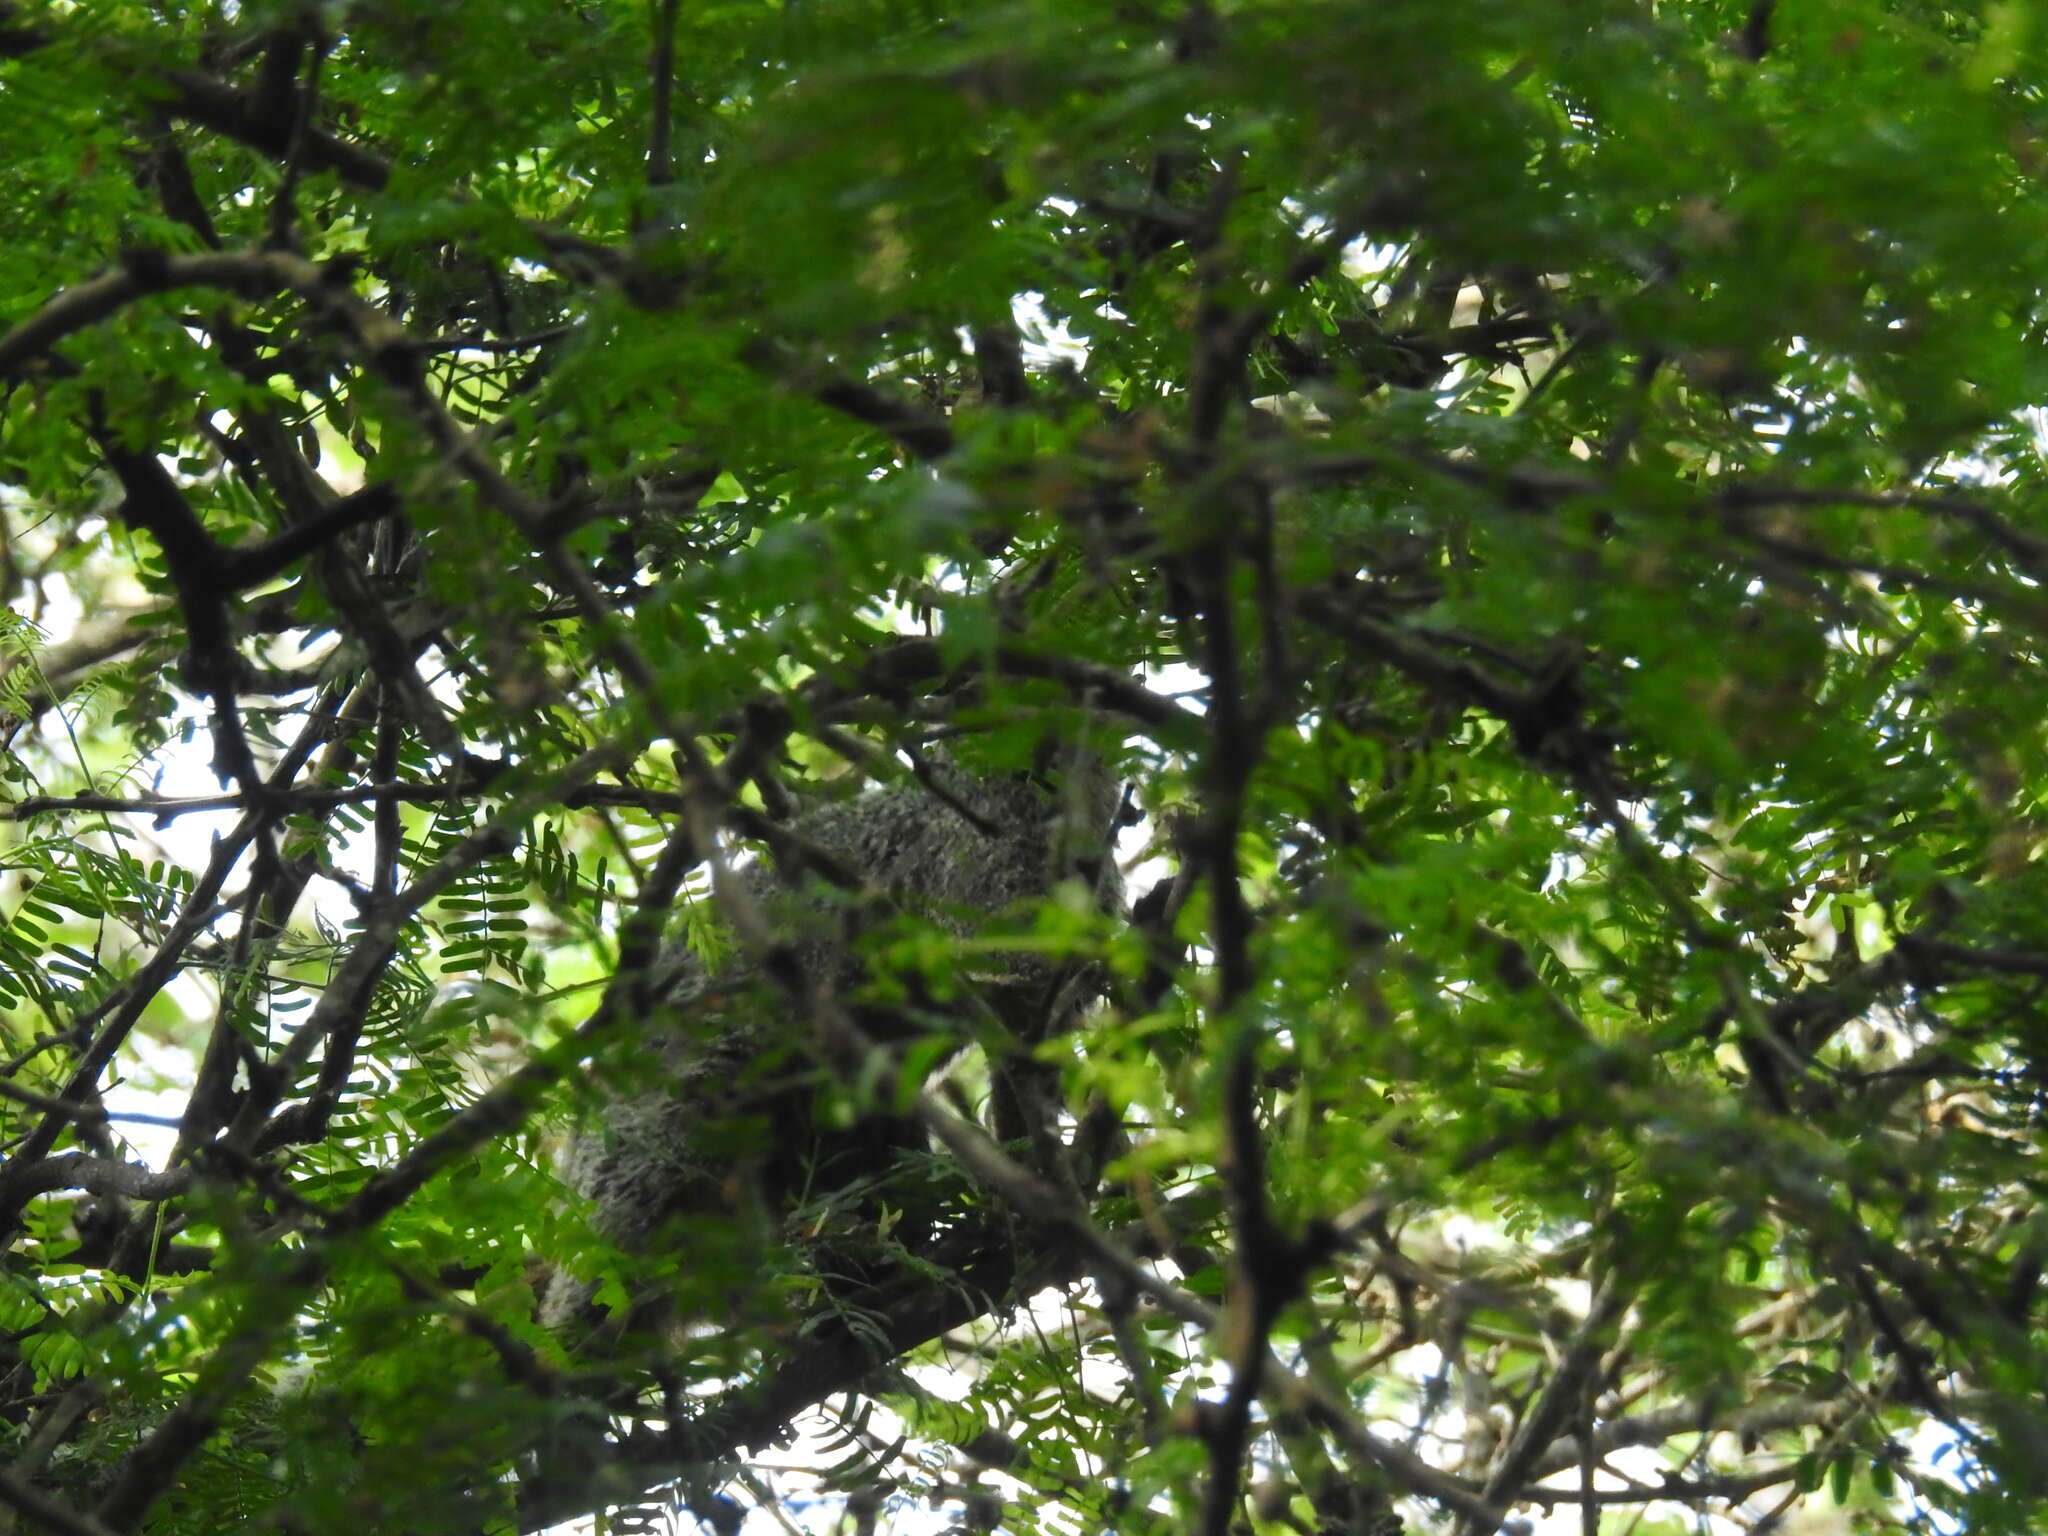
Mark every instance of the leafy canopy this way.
pixel 1542 505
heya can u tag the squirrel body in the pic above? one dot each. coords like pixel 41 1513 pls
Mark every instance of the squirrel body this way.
pixel 731 1116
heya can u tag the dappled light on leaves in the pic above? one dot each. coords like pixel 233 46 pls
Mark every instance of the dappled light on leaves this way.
pixel 1221 767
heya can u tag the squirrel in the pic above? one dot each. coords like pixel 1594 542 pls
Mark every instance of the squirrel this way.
pixel 732 1118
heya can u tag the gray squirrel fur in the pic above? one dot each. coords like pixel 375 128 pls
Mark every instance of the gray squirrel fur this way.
pixel 648 1162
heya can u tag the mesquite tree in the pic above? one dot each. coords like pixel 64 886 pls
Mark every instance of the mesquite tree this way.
pixel 1503 545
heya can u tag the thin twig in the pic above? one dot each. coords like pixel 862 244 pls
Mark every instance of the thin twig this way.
pixel 661 69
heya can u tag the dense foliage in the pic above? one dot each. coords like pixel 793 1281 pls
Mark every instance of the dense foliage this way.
pixel 1541 506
